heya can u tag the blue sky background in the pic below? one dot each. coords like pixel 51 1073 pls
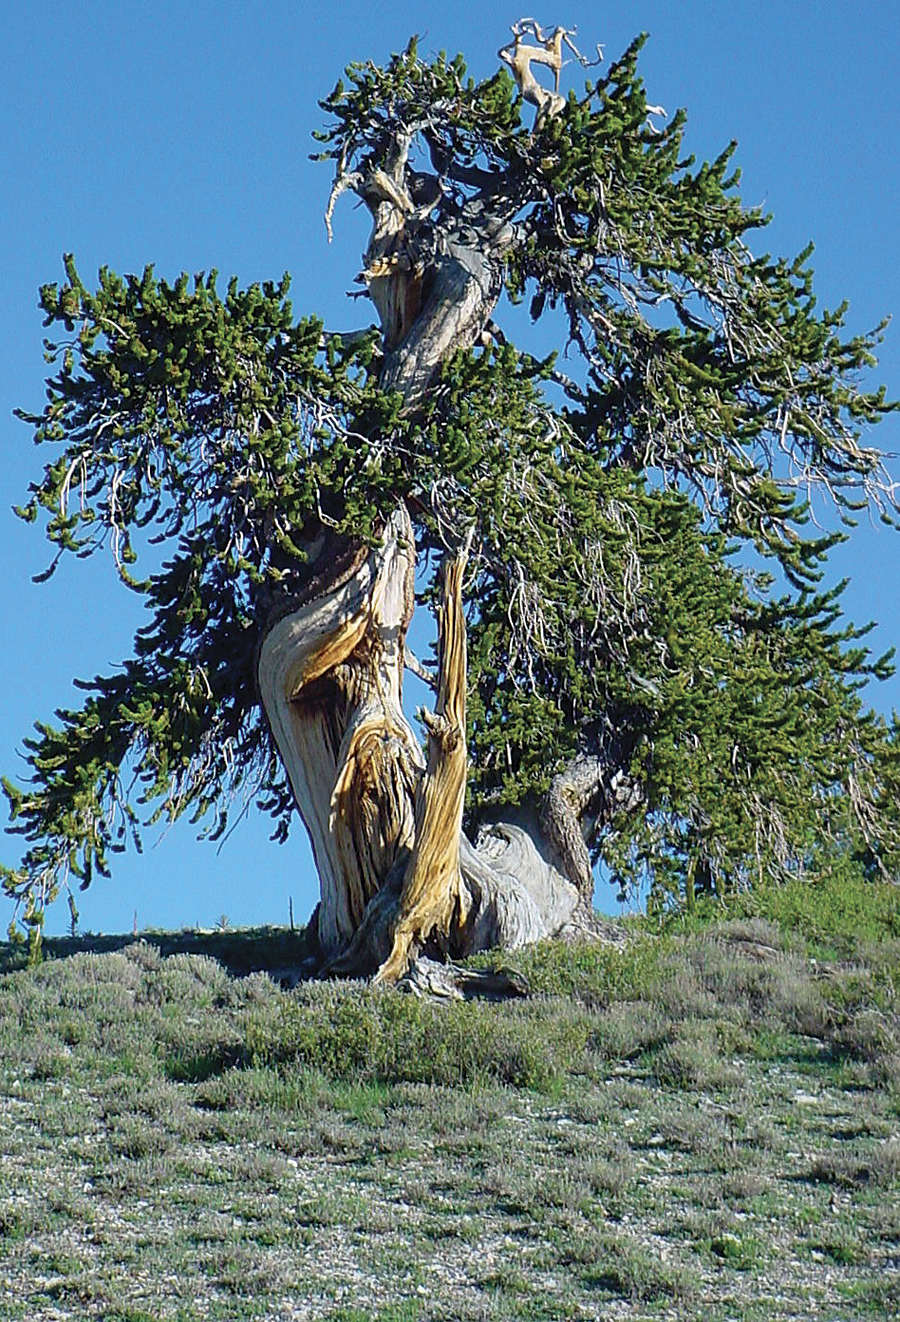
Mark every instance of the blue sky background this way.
pixel 178 134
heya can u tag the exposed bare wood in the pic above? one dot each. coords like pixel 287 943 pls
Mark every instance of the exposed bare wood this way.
pixel 432 899
pixel 518 893
pixel 386 834
pixel 434 292
pixel 392 274
pixel 330 678
pixel 465 284
pixel 426 977
pixel 548 52
pixel 414 665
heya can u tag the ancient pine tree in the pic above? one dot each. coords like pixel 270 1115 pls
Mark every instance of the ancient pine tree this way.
pixel 609 680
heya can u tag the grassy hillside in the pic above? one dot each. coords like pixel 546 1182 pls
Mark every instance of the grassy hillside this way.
pixel 705 1124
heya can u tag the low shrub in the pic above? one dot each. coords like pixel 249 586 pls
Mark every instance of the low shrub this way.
pixel 828 913
pixel 352 1032
pixel 593 973
pixel 625 1030
pixel 691 1059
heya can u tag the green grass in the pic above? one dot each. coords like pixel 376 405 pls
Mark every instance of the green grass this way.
pixel 702 1124
pixel 831 915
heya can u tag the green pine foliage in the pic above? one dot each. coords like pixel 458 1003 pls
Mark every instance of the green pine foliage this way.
pixel 608 610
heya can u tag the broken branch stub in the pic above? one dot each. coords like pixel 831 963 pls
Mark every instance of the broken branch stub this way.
pixel 548 52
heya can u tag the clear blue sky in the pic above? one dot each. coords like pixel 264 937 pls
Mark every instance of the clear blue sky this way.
pixel 178 134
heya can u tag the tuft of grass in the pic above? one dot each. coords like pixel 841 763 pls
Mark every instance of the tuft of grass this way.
pixel 18 1223
pixel 618 1264
pixel 738 1251
pixel 125 1313
pixel 877 1166
pixel 877 1297
pixel 869 1035
pixel 840 1246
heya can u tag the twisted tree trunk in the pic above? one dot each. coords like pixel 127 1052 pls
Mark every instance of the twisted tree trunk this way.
pixel 330 675
pixel 397 875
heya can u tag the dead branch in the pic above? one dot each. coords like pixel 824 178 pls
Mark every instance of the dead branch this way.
pixel 548 52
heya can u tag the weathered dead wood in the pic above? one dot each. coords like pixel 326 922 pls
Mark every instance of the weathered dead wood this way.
pixel 392 274
pixel 434 288
pixel 330 677
pixel 432 899
pixel 385 831
pixel 465 284
pixel 548 52
pixel 427 977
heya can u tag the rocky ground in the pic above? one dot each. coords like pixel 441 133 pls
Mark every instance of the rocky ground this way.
pixel 697 1125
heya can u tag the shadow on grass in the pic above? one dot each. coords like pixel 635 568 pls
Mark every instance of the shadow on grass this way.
pixel 191 1066
pixel 241 951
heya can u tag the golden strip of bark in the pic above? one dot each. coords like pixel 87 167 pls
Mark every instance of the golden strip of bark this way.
pixel 431 898
pixel 372 802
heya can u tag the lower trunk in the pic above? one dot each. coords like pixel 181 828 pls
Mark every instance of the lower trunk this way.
pixel 397 876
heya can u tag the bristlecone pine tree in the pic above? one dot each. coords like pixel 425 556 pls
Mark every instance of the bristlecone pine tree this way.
pixel 610 682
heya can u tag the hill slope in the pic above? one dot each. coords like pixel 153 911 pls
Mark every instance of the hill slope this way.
pixel 702 1124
